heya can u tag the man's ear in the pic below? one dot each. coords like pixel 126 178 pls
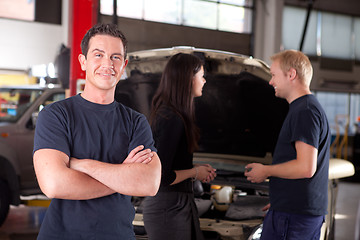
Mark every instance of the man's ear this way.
pixel 82 61
pixel 122 69
pixel 292 73
pixel 126 62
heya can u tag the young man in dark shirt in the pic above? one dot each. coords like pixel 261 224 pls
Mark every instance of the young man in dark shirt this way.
pixel 299 172
pixel 91 153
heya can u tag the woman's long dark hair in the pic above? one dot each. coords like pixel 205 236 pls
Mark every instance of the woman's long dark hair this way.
pixel 175 92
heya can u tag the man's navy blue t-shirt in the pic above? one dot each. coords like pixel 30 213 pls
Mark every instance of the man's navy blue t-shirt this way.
pixel 306 121
pixel 86 130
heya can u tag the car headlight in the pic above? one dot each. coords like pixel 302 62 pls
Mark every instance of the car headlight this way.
pixel 256 233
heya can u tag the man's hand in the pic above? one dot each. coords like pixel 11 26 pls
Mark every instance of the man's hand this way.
pixel 265 208
pixel 138 155
pixel 256 172
pixel 131 178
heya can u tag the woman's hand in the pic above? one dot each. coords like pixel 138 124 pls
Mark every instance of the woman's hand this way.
pixel 205 172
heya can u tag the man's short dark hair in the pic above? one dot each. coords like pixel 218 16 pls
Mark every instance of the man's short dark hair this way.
pixel 102 29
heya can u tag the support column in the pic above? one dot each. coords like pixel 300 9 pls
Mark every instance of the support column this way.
pixel 83 14
pixel 268 28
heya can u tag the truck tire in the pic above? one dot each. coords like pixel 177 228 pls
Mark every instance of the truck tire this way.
pixel 4 201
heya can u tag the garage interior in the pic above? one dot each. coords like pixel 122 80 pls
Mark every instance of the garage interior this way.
pixel 273 25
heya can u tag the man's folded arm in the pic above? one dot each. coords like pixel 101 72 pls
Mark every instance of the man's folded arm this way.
pixel 135 179
pixel 57 180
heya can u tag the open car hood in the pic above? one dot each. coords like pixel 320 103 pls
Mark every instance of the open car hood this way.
pixel 154 61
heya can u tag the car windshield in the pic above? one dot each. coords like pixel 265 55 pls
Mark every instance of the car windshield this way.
pixel 14 102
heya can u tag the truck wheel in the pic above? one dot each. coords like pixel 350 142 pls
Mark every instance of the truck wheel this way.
pixel 4 201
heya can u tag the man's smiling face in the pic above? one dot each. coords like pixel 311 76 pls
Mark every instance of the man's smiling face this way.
pixel 104 63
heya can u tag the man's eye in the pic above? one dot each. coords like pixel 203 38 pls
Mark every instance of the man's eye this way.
pixel 98 55
pixel 116 58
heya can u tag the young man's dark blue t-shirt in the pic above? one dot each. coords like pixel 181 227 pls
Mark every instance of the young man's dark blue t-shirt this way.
pixel 306 121
pixel 86 130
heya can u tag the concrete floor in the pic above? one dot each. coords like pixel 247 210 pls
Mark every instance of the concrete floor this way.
pixel 347 210
pixel 23 222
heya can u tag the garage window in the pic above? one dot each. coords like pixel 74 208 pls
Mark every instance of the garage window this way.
pixel 223 15
pixel 338 105
pixel 336 36
pixel 292 30
pixel 328 34
pixel 357 36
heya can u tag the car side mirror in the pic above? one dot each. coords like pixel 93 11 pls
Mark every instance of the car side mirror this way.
pixel 34 117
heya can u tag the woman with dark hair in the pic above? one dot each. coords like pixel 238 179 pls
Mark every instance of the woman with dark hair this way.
pixel 172 212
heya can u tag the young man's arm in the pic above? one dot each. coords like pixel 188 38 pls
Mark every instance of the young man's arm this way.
pixel 135 179
pixel 304 166
pixel 58 180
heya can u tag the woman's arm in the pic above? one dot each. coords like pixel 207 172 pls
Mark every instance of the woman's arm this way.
pixel 204 173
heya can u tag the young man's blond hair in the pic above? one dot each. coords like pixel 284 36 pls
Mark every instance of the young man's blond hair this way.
pixel 297 60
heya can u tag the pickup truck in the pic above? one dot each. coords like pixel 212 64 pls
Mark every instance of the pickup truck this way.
pixel 19 106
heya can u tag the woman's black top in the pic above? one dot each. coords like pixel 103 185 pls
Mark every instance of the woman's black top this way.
pixel 171 143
